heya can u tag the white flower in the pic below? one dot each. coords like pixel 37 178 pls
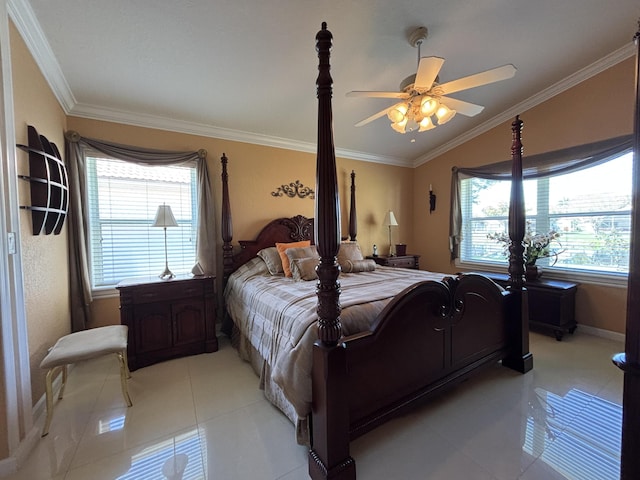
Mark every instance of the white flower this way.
pixel 536 245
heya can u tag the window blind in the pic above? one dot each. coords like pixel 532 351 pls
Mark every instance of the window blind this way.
pixel 589 208
pixel 123 198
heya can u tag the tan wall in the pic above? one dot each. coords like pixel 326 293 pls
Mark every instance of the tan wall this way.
pixel 256 171
pixel 580 115
pixel 44 257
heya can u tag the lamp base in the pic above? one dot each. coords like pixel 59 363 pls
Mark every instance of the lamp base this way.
pixel 167 274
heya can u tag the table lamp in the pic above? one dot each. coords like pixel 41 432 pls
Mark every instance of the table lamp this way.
pixel 164 219
pixel 390 221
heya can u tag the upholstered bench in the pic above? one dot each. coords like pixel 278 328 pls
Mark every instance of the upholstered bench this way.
pixel 84 345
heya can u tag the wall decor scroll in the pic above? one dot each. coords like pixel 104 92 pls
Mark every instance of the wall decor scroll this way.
pixel 49 184
pixel 294 189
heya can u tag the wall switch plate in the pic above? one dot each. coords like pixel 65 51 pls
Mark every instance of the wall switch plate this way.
pixel 11 243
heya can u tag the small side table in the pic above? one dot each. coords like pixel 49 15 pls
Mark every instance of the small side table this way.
pixel 399 261
pixel 551 303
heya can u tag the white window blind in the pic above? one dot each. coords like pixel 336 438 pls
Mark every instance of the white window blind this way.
pixel 590 208
pixel 123 198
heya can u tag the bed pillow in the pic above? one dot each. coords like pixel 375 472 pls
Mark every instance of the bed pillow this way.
pixel 271 257
pixel 349 251
pixel 283 247
pixel 304 268
pixel 357 266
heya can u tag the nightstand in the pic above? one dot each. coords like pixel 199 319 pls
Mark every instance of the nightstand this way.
pixel 168 318
pixel 399 261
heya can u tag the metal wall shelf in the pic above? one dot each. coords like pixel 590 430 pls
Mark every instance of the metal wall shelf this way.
pixel 49 184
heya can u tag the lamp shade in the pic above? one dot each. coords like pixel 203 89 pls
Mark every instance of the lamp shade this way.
pixel 164 217
pixel 390 219
pixel 444 114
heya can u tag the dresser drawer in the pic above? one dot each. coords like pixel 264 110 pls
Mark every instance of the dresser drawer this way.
pixel 402 262
pixel 166 292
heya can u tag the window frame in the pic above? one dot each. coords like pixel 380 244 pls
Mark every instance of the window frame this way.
pixel 109 290
pixel 608 278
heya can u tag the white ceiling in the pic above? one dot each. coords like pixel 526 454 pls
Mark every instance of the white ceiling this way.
pixel 246 69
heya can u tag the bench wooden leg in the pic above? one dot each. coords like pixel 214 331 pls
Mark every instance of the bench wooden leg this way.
pixel 64 381
pixel 49 398
pixel 124 374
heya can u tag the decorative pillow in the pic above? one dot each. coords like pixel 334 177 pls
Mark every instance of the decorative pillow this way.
pixel 282 248
pixel 304 268
pixel 271 257
pixel 301 252
pixel 357 266
pixel 349 251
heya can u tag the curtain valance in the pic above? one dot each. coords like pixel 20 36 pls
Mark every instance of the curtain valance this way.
pixel 76 148
pixel 557 162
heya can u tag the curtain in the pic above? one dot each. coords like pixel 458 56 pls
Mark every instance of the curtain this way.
pixel 78 215
pixel 542 165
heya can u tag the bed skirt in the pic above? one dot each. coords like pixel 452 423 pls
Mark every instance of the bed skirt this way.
pixel 271 390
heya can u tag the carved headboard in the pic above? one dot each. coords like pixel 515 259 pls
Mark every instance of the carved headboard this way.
pixel 281 230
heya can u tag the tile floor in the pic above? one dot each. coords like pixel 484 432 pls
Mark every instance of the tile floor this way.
pixel 203 417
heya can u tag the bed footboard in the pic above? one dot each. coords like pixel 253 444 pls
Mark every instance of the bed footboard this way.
pixel 431 335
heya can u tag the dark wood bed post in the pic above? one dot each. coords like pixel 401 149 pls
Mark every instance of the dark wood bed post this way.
pixel 519 358
pixel 226 223
pixel 353 219
pixel 329 454
pixel 629 361
pixel 226 227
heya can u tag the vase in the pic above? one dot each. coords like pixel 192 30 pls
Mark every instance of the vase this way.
pixel 532 272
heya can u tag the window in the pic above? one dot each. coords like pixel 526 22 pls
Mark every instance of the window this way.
pixel 123 198
pixel 590 208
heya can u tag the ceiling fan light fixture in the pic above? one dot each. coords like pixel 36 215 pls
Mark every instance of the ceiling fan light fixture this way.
pixel 400 126
pixel 428 105
pixel 444 114
pixel 398 113
pixel 426 124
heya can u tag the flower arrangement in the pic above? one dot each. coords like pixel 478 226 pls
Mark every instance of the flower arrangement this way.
pixel 536 245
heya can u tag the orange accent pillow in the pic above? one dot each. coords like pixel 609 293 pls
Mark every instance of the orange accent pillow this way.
pixel 282 247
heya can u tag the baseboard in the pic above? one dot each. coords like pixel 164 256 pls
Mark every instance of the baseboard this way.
pixel 8 466
pixel 599 332
pixel 20 455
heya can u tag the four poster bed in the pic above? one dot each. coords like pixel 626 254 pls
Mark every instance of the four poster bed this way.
pixel 340 354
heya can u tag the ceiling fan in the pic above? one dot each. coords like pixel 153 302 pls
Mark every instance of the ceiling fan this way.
pixel 424 100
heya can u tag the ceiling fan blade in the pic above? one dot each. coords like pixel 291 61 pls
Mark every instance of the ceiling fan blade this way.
pixel 482 78
pixel 378 94
pixel 428 70
pixel 375 116
pixel 460 106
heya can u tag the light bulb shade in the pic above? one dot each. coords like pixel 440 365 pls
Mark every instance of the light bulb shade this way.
pixel 164 217
pixel 444 114
pixel 390 219
pixel 426 124
pixel 400 126
pixel 428 106
pixel 397 113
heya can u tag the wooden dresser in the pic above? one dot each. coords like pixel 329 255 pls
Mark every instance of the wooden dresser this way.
pixel 400 261
pixel 168 318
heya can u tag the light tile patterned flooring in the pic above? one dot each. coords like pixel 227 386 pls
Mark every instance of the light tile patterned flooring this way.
pixel 204 417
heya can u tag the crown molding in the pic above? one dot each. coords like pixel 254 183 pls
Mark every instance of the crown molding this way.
pixel 25 21
pixel 192 128
pixel 572 80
